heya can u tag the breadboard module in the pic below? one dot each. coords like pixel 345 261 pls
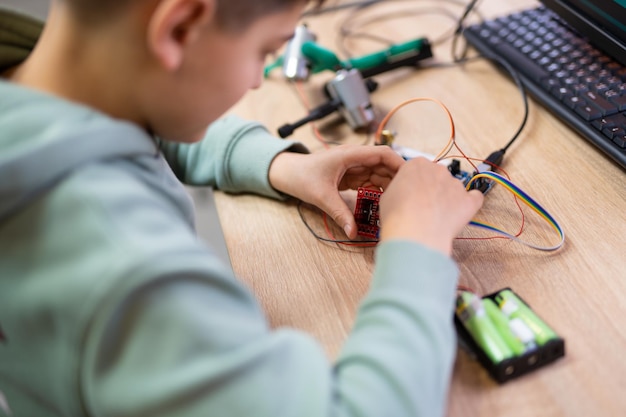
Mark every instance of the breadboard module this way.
pixel 366 212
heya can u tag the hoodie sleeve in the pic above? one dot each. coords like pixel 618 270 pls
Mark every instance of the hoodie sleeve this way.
pixel 234 156
pixel 194 343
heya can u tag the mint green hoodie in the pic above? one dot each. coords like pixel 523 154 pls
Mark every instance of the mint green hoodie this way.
pixel 111 306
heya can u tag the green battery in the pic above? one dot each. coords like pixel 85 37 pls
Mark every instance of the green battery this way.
pixel 503 326
pixel 471 312
pixel 514 308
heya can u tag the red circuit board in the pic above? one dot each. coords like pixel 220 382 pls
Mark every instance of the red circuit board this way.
pixel 366 212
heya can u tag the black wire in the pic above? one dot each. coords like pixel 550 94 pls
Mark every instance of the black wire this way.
pixel 347 30
pixel 308 226
pixel 459 30
pixel 330 9
pixel 509 69
pixel 520 86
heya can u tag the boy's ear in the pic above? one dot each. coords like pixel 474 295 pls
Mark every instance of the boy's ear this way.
pixel 174 24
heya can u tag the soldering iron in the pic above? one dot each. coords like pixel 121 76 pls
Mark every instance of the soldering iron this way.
pixel 349 91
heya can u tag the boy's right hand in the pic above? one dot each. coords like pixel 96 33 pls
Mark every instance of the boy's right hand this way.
pixel 426 204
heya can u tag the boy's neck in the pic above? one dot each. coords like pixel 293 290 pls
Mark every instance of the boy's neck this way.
pixel 81 66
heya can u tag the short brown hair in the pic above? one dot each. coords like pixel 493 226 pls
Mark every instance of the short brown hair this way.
pixel 231 14
pixel 237 14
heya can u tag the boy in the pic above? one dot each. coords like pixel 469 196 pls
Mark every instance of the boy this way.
pixel 109 304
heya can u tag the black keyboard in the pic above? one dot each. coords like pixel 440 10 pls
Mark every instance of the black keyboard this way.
pixel 577 82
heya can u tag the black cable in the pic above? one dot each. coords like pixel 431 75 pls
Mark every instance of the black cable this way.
pixel 330 9
pixel 520 86
pixel 459 30
pixel 346 29
pixel 323 239
pixel 495 158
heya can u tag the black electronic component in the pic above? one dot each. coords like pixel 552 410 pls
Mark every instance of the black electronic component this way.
pixel 465 177
pixel 457 172
pixel 489 164
pixel 366 212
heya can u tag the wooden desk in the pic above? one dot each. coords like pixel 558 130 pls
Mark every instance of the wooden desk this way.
pixel 579 290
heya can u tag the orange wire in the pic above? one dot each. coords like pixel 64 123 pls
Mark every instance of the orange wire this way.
pixel 442 154
pixel 451 139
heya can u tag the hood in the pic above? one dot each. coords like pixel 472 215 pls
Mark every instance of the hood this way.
pixel 43 137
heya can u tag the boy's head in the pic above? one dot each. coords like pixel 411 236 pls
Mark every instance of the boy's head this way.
pixel 172 66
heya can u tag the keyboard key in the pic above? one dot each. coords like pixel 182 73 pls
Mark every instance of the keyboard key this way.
pixel 588 111
pixel 620 141
pixel 615 120
pixel 613 132
pixel 619 101
pixel 604 106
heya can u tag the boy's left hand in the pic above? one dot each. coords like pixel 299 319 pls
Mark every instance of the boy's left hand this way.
pixel 317 178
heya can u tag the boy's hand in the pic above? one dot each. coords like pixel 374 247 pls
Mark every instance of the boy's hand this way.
pixel 317 178
pixel 426 204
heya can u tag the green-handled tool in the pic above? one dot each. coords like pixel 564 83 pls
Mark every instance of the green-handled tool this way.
pixel 404 54
pixel 320 59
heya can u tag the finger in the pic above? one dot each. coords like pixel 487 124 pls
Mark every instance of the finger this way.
pixel 372 181
pixel 469 206
pixel 372 156
pixel 337 209
pixel 476 200
pixel 353 179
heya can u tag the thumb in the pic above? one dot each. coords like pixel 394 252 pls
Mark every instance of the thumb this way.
pixel 338 210
pixel 475 202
